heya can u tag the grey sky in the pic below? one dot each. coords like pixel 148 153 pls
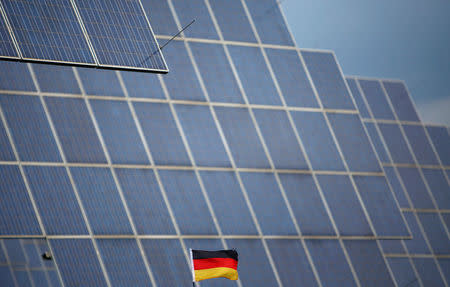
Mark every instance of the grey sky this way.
pixel 402 39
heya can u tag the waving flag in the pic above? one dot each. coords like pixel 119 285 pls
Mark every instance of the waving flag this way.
pixel 214 264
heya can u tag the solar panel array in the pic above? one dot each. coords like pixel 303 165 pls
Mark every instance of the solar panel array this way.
pixel 248 143
pixel 93 33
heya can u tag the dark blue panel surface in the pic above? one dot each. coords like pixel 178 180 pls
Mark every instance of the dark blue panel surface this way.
pixel 254 75
pixel 280 139
pixel 446 217
pixel 376 140
pixel 182 82
pixel 228 202
pixel 33 260
pixel 392 246
pixel 29 127
pixel 439 187
pixel 328 80
pixel 444 263
pixel 167 261
pixel 5 274
pixel 376 99
pixel 292 79
pixel 142 85
pixel 202 136
pixel 435 232
pixel 17 212
pixel 403 272
pixel 6 44
pixel 307 205
pixel 401 101
pixel 104 208
pixel 368 262
pixel 344 205
pixel 317 140
pixel 75 130
pixel 253 260
pixel 161 134
pixel 420 144
pixel 120 34
pixel 77 262
pixel 22 277
pixel 119 132
pixel 39 277
pixel 268 203
pixel 123 262
pixel 428 272
pixel 56 79
pixel 292 263
pixel 219 80
pixel 269 22
pixel 242 138
pixel 100 82
pixel 15 76
pixel 396 186
pixel 145 201
pixel 160 16
pixel 395 143
pixel 417 244
pixel 15 251
pixel 358 98
pixel 380 204
pixel 6 152
pixel 232 20
pixel 55 200
pixel 330 263
pixel 354 143
pixel 195 9
pixel 48 30
pixel 415 187
pixel 187 201
pixel 441 141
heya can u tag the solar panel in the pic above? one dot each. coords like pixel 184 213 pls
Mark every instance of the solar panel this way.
pixel 6 44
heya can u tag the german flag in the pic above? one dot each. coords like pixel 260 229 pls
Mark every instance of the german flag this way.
pixel 214 264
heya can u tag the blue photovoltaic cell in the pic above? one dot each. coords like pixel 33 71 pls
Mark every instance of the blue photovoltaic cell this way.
pixel 330 262
pixel 253 260
pixel 167 261
pixel 376 140
pixel 52 185
pixel 267 200
pixel 439 187
pixel 280 139
pixel 395 143
pixel 446 217
pixel 291 262
pixel 307 205
pixel 96 187
pixel 6 152
pixel 145 201
pixel 269 22
pixel 100 82
pixel 48 30
pixel 403 272
pixel 441 141
pixel 39 277
pixel 33 260
pixel 242 138
pixel 420 144
pixel 56 79
pixel 188 204
pixel 436 233
pixel 396 187
pixel 354 143
pixel 6 44
pixel 254 75
pixel 368 262
pixel 142 85
pixel 392 246
pixel 22 277
pixel 292 79
pixel 428 272
pixel 358 98
pixel 228 202
pixel 54 278
pixel 344 205
pixel 403 106
pixel 29 128
pixel 445 267
pixel 161 134
pixel 380 205
pixel 15 76
pixel 232 20
pixel 160 16
pixel 317 141
pixel 195 9
pixel 123 262
pixel 77 262
pixel 15 252
pixel 75 130
pixel 415 187
pixel 328 80
pixel 120 34
pixel 416 245
pixel 376 99
pixel 219 80
pixel 7 278
pixel 116 124
pixel 202 136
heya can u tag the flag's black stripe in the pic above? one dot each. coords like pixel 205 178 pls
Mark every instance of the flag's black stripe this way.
pixel 201 254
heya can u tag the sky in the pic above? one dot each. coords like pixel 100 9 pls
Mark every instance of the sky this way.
pixel 401 39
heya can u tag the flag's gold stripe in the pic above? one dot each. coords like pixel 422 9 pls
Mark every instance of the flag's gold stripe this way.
pixel 226 272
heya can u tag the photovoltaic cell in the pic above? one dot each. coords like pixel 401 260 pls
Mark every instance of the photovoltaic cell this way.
pixel 352 84
pixel 420 145
pixel 6 44
pixel 417 245
pixel 436 233
pixel 401 102
pixel 439 187
pixel 376 99
pixel 403 272
pixel 428 272
pixel 15 76
pixel 415 187
pixel 56 79
pixel 441 141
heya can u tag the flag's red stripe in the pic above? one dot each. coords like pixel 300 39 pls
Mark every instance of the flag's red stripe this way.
pixel 214 262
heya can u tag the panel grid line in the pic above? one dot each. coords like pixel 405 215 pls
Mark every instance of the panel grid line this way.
pixel 27 268
pixel 11 33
